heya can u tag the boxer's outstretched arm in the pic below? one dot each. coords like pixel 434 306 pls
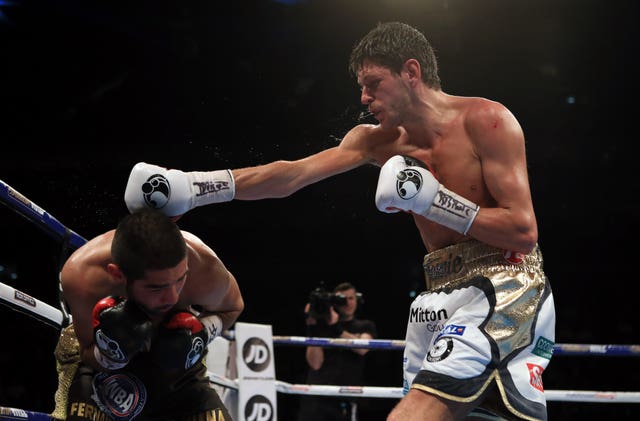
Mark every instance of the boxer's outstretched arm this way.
pixel 282 178
pixel 175 192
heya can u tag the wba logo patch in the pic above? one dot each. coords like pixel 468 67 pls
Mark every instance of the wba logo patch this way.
pixel 120 394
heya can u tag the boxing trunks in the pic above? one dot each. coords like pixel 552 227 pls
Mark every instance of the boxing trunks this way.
pixel 141 391
pixel 484 328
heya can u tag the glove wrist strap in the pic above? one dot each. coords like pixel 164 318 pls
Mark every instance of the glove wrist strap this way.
pixel 211 187
pixel 452 210
pixel 213 324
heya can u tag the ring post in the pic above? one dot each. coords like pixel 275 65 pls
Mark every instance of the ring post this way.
pixel 256 373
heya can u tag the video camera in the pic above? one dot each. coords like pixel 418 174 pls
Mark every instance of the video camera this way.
pixel 321 300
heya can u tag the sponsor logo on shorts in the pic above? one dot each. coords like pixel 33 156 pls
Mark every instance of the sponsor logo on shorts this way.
pixel 543 348
pixel 87 411
pixel 514 257
pixel 421 315
pixel 535 376
pixel 452 330
pixel 438 268
pixel 120 394
pixel 440 350
pixel 434 327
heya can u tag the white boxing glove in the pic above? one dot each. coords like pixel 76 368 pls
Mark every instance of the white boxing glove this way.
pixel 175 192
pixel 404 185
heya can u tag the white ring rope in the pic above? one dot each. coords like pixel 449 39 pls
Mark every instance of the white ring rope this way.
pixel 396 392
pixel 24 303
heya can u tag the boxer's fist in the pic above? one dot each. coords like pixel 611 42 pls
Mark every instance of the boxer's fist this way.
pixel 405 185
pixel 121 330
pixel 175 192
pixel 180 343
pixel 159 188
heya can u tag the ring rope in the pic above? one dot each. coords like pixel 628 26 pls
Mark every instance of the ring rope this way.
pixel 34 213
pixel 13 414
pixel 558 349
pixel 24 303
pixel 396 392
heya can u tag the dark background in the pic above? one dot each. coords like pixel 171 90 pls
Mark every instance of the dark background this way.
pixel 89 88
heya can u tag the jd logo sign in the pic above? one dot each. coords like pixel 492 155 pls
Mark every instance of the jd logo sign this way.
pixel 255 353
pixel 258 408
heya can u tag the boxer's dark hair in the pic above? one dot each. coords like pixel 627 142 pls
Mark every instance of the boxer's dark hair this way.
pixel 391 44
pixel 147 240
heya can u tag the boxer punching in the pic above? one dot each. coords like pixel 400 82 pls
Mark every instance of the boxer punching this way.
pixel 479 334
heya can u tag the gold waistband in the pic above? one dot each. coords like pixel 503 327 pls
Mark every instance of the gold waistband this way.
pixel 457 263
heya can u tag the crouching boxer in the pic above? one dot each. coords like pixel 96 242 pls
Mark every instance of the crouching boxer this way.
pixel 146 299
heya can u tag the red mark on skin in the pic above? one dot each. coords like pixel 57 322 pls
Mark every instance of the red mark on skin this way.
pixel 495 124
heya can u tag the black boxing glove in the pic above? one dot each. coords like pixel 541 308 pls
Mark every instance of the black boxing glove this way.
pixel 182 339
pixel 121 330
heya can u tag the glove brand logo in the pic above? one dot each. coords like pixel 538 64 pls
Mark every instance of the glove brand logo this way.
pixel 258 408
pixel 197 348
pixel 156 191
pixel 210 187
pixel 255 353
pixel 408 183
pixel 109 347
pixel 122 395
pixel 454 205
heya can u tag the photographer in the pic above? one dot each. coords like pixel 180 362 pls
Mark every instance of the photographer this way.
pixel 332 315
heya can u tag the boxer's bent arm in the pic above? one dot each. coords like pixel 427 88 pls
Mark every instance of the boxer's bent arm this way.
pixel 81 306
pixel 224 297
pixel 499 142
pixel 77 278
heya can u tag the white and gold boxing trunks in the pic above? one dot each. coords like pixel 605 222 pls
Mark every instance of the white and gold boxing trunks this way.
pixel 486 323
